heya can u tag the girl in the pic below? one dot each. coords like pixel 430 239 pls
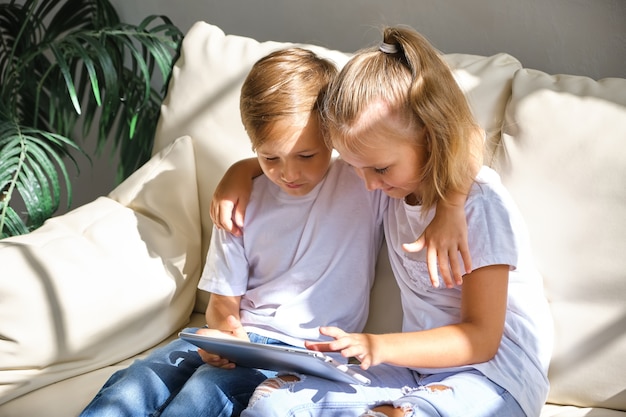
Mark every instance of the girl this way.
pixel 396 114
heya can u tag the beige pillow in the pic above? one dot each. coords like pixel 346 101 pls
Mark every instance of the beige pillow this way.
pixel 564 161
pixel 103 282
pixel 203 98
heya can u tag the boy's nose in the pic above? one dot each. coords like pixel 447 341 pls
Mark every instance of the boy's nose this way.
pixel 289 173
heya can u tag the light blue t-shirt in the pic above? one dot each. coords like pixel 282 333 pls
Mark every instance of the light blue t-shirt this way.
pixel 496 235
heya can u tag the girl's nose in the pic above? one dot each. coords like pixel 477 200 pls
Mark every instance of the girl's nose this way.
pixel 372 182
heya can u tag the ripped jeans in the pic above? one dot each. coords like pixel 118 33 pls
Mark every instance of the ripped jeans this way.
pixel 174 381
pixel 467 394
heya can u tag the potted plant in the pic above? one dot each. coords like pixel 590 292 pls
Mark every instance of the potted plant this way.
pixel 65 67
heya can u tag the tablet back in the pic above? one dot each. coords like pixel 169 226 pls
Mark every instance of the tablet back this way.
pixel 277 358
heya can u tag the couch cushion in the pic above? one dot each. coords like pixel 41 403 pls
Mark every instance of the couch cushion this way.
pixel 103 282
pixel 563 160
pixel 80 389
pixel 551 410
pixel 203 98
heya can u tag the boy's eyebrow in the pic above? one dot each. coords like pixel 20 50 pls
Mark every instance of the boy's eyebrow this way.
pixel 294 152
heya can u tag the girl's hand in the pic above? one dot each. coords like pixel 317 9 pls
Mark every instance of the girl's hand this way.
pixel 363 346
pixel 229 202
pixel 444 238
pixel 232 195
pixel 236 332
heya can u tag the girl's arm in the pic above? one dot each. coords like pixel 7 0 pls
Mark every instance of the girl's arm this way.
pixel 476 338
pixel 232 194
pixel 444 238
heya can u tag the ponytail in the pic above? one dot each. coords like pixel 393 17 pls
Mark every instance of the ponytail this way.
pixel 410 75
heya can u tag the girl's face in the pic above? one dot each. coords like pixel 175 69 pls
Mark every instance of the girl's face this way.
pixel 392 156
pixel 295 158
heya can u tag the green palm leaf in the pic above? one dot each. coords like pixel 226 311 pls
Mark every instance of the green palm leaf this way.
pixel 65 64
pixel 33 165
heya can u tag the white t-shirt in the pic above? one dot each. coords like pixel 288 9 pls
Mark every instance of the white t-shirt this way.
pixel 496 235
pixel 303 262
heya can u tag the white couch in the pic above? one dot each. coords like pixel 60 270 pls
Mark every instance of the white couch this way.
pixel 91 290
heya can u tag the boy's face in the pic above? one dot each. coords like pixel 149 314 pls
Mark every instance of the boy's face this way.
pixel 295 157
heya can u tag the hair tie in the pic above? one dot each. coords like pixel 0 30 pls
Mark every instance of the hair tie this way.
pixel 388 48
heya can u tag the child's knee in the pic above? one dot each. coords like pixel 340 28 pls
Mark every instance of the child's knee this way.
pixel 267 387
pixel 388 411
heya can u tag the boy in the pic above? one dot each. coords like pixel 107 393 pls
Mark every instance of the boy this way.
pixel 300 264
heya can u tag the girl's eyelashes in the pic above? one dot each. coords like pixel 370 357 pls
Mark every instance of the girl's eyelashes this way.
pixel 376 170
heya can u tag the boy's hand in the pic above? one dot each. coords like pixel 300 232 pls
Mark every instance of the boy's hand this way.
pixel 444 238
pixel 236 332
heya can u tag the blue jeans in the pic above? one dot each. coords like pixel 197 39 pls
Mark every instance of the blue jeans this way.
pixel 462 394
pixel 174 381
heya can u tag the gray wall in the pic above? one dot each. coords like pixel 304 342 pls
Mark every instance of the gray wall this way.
pixel 582 37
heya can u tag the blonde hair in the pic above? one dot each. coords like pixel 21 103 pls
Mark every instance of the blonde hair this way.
pixel 413 80
pixel 287 83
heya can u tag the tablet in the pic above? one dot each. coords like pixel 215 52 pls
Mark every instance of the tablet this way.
pixel 277 358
